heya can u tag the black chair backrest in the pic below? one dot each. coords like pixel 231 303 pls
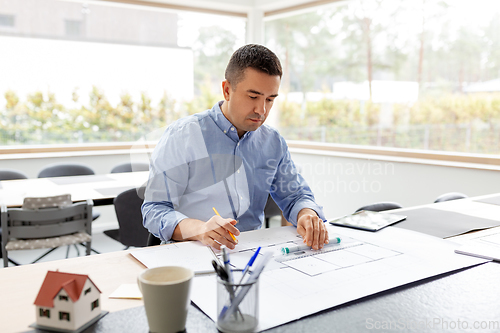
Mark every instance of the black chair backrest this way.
pixel 450 196
pixel 153 240
pixel 380 206
pixel 9 174
pixel 271 209
pixel 128 211
pixel 64 170
pixel 129 167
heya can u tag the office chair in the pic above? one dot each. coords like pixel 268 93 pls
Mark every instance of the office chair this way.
pixel 46 223
pixel 450 196
pixel 131 232
pixel 153 240
pixel 271 209
pixel 130 167
pixel 67 170
pixel 9 174
pixel 380 206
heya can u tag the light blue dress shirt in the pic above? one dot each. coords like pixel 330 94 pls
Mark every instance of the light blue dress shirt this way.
pixel 200 163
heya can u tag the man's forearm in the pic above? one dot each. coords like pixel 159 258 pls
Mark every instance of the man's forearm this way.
pixel 160 218
pixel 188 229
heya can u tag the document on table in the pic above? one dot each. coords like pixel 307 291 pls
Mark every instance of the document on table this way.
pixel 444 223
pixel 193 255
pixel 127 291
pixel 363 264
pixel 475 208
pixel 484 244
pixel 495 200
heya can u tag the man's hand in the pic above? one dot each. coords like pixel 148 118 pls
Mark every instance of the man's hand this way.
pixel 214 232
pixel 312 229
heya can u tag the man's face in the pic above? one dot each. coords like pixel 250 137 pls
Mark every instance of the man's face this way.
pixel 248 104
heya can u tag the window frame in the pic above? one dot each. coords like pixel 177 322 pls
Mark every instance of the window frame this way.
pixel 452 159
pixel 481 161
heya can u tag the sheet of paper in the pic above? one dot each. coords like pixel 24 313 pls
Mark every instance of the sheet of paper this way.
pixel 127 290
pixel 476 236
pixel 265 237
pixel 492 239
pixel 293 289
pixel 472 208
pixel 193 255
pixel 486 251
pixel 239 259
pixel 482 244
pixel 490 199
pixel 311 266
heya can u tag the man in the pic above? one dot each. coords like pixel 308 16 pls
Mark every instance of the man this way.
pixel 225 160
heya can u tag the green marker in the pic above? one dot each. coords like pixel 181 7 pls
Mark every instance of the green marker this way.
pixel 294 248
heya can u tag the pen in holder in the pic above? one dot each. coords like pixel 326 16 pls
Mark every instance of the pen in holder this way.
pixel 240 317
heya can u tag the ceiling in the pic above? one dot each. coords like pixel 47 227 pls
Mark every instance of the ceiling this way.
pixel 234 7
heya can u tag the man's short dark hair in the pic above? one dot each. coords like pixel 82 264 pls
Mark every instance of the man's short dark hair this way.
pixel 254 56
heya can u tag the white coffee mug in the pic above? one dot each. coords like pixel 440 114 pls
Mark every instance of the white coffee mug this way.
pixel 166 295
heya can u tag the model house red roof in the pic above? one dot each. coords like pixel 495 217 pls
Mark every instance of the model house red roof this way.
pixel 55 281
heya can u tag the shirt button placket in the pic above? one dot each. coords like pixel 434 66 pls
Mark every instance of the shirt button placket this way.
pixel 238 196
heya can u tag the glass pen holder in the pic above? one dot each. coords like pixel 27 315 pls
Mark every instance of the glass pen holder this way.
pixel 237 304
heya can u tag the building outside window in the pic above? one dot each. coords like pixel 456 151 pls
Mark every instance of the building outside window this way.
pixel 392 73
pixel 107 72
pixel 413 74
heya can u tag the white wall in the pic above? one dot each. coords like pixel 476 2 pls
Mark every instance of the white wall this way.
pixel 343 184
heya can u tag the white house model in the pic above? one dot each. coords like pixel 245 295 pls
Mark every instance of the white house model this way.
pixel 67 301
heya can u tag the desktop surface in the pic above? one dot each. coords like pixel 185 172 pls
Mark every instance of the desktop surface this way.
pixel 463 300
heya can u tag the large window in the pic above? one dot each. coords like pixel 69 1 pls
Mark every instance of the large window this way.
pixel 104 71
pixel 421 74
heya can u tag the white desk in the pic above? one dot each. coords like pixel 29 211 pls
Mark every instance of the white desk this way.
pixel 100 188
pixel 466 295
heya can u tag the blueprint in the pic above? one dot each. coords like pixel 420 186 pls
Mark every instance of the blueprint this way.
pixel 363 264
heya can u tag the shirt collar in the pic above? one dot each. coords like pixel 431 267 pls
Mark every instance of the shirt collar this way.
pixel 224 124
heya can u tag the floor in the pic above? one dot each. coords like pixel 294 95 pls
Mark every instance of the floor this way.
pixel 100 242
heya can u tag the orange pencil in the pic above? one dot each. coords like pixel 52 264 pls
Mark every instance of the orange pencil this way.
pixel 230 234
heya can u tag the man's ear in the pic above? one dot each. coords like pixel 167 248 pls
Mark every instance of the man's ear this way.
pixel 226 89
